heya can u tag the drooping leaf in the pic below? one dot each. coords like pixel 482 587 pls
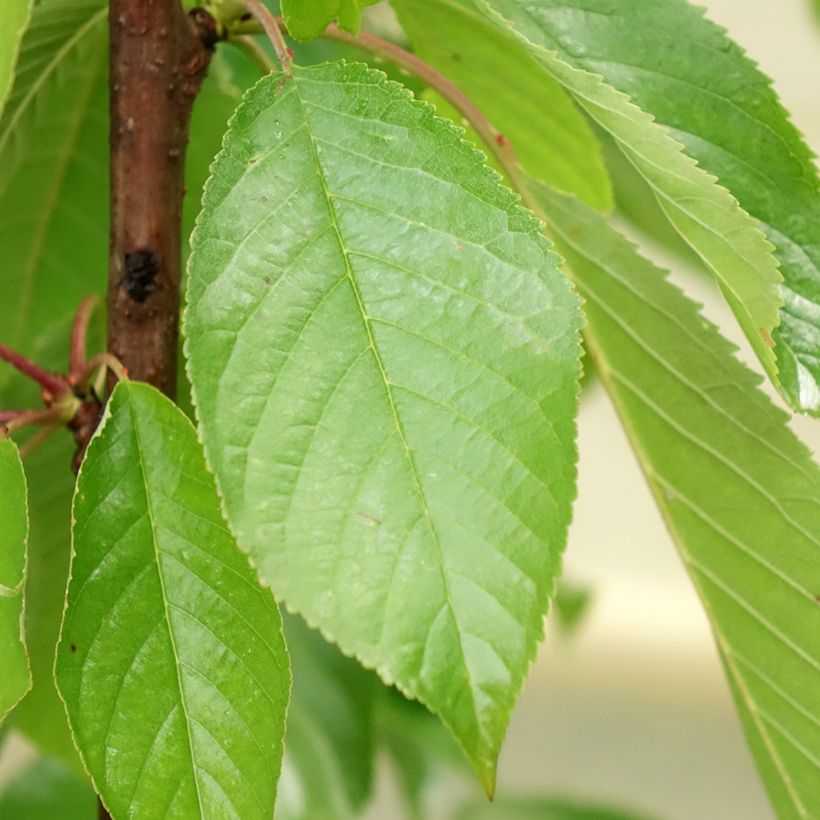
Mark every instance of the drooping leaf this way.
pixel 12 26
pixel 550 137
pixel 307 19
pixel 384 360
pixel 53 186
pixel 740 494
pixel 171 660
pixel 604 52
pixel 541 808
pixel 327 772
pixel 15 675
pixel 47 789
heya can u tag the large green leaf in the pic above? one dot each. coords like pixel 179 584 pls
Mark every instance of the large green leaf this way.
pixel 46 789
pixel 171 660
pixel 384 359
pixel 740 494
pixel 12 26
pixel 307 19
pixel 327 772
pixel 659 43
pixel 15 676
pixel 550 137
pixel 53 187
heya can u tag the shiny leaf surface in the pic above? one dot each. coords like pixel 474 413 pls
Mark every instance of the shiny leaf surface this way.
pixel 171 660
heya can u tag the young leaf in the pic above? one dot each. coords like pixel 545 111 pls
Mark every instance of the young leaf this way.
pixel 47 789
pixel 329 746
pixel 306 19
pixel 551 138
pixel 171 660
pixel 705 213
pixel 15 17
pixel 740 494
pixel 384 360
pixel 15 675
pixel 53 187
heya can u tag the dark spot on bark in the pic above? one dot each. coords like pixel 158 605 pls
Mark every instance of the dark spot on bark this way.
pixel 140 280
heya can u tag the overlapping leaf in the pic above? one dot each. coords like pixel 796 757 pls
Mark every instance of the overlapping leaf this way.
pixel 307 19
pixel 15 17
pixel 629 63
pixel 384 359
pixel 552 141
pixel 171 660
pixel 327 772
pixel 740 494
pixel 15 676
pixel 53 187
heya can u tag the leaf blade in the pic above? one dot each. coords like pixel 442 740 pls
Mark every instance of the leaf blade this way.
pixel 14 24
pixel 171 660
pixel 738 491
pixel 302 156
pixel 706 214
pixel 15 681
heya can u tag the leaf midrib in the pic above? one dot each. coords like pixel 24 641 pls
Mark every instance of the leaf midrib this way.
pixel 388 392
pixel 167 616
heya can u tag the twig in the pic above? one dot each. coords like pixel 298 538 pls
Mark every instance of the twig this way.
pixel 273 28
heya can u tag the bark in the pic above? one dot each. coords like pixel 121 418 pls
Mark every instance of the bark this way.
pixel 158 59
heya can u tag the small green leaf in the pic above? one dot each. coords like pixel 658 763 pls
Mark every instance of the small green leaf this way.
pixel 46 789
pixel 15 675
pixel 740 494
pixel 329 746
pixel 705 213
pixel 541 808
pixel 307 19
pixel 171 660
pixel 551 139
pixel 384 359
pixel 15 18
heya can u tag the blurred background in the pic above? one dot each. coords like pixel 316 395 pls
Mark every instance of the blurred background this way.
pixel 632 709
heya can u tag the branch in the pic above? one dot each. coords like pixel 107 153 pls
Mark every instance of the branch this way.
pixel 158 59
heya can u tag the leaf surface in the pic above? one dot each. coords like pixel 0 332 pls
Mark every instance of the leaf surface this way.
pixel 15 677
pixel 551 139
pixel 543 808
pixel 15 17
pixel 740 494
pixel 661 46
pixel 307 19
pixel 384 360
pixel 171 660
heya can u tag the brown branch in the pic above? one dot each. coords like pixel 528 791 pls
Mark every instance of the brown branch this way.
pixel 158 59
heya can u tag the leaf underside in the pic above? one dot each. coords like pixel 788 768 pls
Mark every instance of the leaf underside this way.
pixel 15 676
pixel 384 360
pixel 552 140
pixel 673 90
pixel 171 659
pixel 740 494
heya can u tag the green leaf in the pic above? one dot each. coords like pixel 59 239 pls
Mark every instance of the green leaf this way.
pixel 54 184
pixel 171 660
pixel 551 139
pixel 650 36
pixel 541 808
pixel 740 494
pixel 327 772
pixel 47 789
pixel 384 360
pixel 15 18
pixel 15 678
pixel 307 19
